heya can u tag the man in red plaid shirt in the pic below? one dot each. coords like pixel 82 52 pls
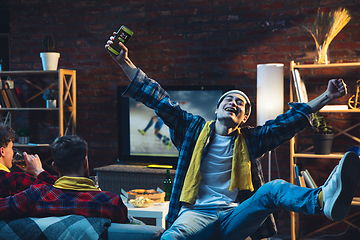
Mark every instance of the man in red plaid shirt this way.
pixel 14 182
pixel 72 193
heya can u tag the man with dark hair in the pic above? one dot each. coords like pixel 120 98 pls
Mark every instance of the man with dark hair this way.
pixel 72 193
pixel 14 182
pixel 219 190
pixel 68 154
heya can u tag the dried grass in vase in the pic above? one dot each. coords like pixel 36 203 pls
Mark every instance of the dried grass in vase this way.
pixel 324 30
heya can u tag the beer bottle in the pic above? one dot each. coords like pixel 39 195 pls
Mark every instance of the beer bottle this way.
pixel 167 185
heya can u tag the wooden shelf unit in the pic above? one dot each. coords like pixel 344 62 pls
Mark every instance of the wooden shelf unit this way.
pixel 66 83
pixel 293 154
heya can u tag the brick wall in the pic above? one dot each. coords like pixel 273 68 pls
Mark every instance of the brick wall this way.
pixel 194 42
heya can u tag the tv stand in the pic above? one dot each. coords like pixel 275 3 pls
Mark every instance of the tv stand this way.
pixel 125 176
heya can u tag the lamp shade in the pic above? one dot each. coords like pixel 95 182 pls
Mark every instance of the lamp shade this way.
pixel 270 91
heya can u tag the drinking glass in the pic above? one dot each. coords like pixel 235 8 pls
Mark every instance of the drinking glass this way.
pixel 18 158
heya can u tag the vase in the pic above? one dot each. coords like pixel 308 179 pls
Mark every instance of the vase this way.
pixel 23 140
pixel 51 103
pixel 322 143
pixel 50 60
pixel 322 55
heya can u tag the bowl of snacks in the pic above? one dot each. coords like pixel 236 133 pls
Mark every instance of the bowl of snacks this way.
pixel 142 202
pixel 147 193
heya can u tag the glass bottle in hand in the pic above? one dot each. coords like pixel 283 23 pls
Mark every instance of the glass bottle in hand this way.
pixel 18 158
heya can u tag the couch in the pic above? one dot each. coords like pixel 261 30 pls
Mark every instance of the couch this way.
pixel 75 227
pixel 134 232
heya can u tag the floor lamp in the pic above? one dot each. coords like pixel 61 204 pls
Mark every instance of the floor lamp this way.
pixel 269 95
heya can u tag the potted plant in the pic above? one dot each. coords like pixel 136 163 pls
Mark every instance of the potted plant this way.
pixel 49 58
pixel 50 96
pixel 322 135
pixel 23 133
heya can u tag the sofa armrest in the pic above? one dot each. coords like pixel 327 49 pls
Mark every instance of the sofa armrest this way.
pixel 134 232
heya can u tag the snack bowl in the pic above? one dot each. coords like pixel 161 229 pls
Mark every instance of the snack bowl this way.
pixel 147 193
pixel 141 202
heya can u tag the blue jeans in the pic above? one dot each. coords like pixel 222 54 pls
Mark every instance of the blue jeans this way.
pixel 239 222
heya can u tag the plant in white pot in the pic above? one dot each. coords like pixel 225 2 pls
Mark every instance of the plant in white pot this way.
pixel 50 96
pixel 49 58
pixel 322 135
pixel 23 133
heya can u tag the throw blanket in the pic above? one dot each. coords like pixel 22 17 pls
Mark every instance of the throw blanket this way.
pixel 69 227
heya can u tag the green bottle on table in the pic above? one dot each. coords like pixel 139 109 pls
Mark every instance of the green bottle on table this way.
pixel 167 186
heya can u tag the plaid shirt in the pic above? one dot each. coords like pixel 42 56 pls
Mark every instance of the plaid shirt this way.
pixel 15 182
pixel 44 200
pixel 185 129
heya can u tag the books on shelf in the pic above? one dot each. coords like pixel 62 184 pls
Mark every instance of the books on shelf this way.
pixel 5 99
pixel 302 181
pixel 300 88
pixel 297 175
pixel 334 107
pixel 11 98
pixel 39 144
pixel 309 181
pixel 6 84
pixel 16 99
pixel 303 178
pixel 2 102
pixel 301 93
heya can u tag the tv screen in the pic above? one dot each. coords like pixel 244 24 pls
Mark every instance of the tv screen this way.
pixel 142 136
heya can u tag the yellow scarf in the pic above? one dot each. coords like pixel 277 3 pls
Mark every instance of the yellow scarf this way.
pixel 75 183
pixel 241 167
pixel 4 168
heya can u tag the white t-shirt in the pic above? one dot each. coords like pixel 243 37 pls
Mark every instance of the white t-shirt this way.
pixel 215 171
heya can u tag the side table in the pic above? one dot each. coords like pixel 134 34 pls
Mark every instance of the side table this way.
pixel 158 211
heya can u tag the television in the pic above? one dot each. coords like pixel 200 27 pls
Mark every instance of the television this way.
pixel 138 141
